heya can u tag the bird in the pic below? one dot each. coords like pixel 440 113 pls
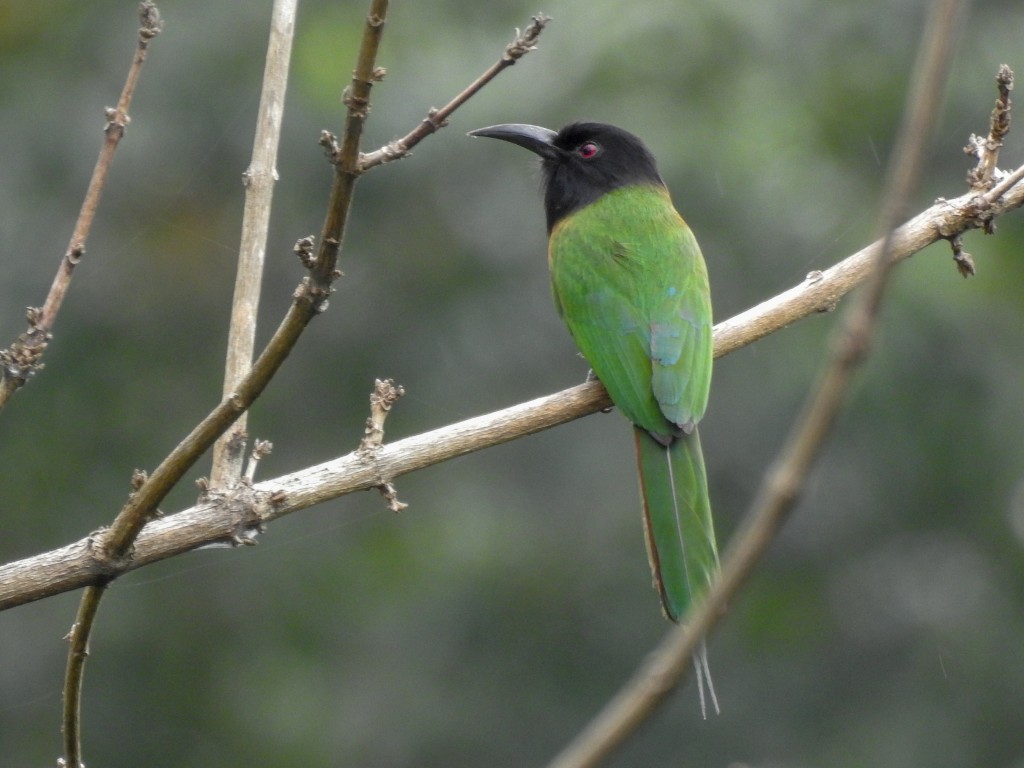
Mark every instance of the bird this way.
pixel 630 283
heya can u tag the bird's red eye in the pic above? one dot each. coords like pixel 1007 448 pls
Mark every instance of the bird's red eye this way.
pixel 588 149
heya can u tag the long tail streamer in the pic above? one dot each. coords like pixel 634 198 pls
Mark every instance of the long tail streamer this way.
pixel 679 533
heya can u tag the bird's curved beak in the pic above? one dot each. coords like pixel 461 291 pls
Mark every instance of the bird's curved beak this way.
pixel 532 137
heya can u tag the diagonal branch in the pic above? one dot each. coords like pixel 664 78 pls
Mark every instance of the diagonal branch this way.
pixel 22 360
pixel 29 348
pixel 79 564
pixel 524 42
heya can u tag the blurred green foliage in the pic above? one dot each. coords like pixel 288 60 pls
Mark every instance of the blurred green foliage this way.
pixel 486 624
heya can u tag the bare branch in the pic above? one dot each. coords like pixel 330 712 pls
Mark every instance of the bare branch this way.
pixel 260 450
pixel 259 179
pixel 524 42
pixel 385 394
pixel 22 360
pixel 821 290
pixel 345 156
pixel 78 639
pixel 987 149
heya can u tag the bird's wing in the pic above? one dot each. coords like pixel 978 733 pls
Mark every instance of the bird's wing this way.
pixel 631 285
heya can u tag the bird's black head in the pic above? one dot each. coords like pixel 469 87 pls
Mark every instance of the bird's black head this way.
pixel 580 162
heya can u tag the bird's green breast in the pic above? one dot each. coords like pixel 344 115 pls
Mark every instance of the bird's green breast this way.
pixel 630 282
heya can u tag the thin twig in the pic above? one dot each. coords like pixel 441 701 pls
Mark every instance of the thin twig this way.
pixel 78 564
pixel 78 640
pixel 260 450
pixel 259 178
pixel 23 359
pixel 821 290
pixel 345 156
pixel 385 394
pixel 524 42
pixel 1000 189
pixel 987 149
pixel 666 667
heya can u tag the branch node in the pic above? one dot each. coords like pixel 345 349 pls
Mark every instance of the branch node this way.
pixel 21 360
pixel 321 302
pixel 75 253
pixel 316 288
pixel 318 296
pixel 245 505
pixel 358 106
pixel 329 142
pixel 393 150
pixel 977 214
pixel 105 564
pixel 304 250
pixel 68 636
pixel 814 276
pixel 432 121
pixel 116 120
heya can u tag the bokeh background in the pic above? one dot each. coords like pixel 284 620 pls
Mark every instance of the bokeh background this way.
pixel 487 623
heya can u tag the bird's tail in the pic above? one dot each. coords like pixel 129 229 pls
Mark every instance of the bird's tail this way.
pixel 679 531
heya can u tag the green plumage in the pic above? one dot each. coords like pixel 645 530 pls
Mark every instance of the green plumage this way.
pixel 677 519
pixel 630 282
